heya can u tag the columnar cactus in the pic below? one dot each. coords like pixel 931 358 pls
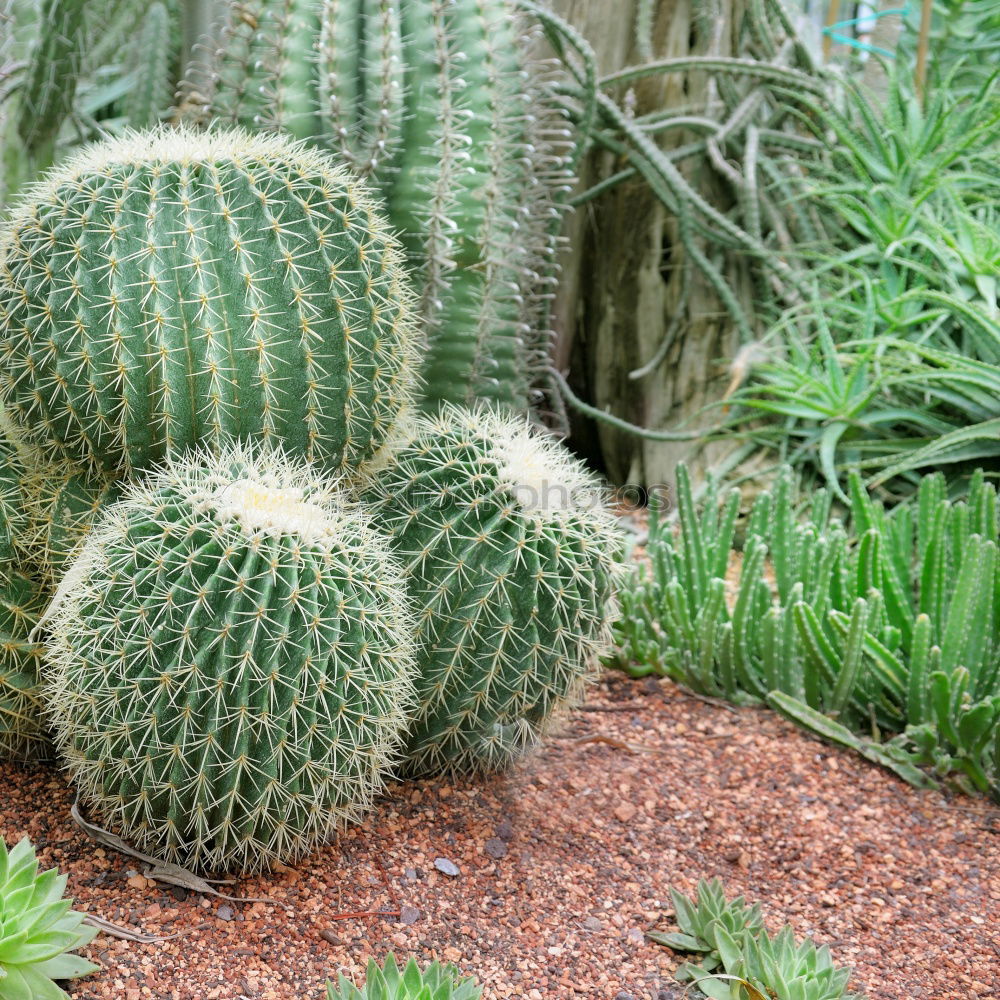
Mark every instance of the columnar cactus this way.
pixel 172 289
pixel 230 661
pixel 512 560
pixel 439 102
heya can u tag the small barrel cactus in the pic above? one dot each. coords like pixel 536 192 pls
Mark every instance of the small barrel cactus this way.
pixel 230 661
pixel 22 705
pixel 436 982
pixel 38 929
pixel 176 289
pixel 513 560
pixel 440 103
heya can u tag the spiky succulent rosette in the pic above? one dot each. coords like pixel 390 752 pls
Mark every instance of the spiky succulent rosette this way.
pixel 436 982
pixel 174 288
pixel 22 705
pixel 230 663
pixel 512 560
pixel 38 929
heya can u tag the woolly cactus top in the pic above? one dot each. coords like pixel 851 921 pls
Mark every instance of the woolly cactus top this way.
pixel 175 288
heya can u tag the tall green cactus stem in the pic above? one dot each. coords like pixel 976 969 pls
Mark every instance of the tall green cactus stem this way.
pixel 230 661
pixel 52 76
pixel 439 102
pixel 152 93
pixel 22 712
pixel 513 561
pixel 172 289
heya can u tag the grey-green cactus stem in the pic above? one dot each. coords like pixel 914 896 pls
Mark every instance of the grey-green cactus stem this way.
pixel 50 84
pixel 173 289
pixel 438 102
pixel 512 560
pixel 230 662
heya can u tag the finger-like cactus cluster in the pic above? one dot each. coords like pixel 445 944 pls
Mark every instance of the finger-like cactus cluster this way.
pixel 172 289
pixel 511 559
pixel 230 661
pixel 438 103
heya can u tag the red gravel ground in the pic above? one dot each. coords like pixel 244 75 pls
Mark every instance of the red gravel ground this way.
pixel 565 863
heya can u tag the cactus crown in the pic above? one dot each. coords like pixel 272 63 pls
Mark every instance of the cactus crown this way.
pixel 514 562
pixel 231 660
pixel 174 288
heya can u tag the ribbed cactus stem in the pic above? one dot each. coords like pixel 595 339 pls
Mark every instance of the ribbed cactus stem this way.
pixel 22 704
pixel 513 561
pixel 230 661
pixel 173 289
pixel 50 84
pixel 437 101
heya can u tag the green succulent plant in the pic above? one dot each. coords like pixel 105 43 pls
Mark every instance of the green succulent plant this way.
pixel 443 108
pixel 230 660
pixel 737 952
pixel 883 623
pixel 513 561
pixel 173 289
pixel 436 982
pixel 38 929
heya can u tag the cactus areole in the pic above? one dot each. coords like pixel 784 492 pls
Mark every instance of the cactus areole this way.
pixel 172 289
pixel 230 661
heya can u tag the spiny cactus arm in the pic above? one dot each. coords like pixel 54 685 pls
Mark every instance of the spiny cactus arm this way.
pixel 362 85
pixel 52 75
pixel 153 91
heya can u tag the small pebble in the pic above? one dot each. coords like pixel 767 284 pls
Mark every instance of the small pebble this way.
pixel 408 915
pixel 446 867
pixel 410 874
pixel 330 937
pixel 496 848
pixel 593 924
pixel 224 912
pixel 505 829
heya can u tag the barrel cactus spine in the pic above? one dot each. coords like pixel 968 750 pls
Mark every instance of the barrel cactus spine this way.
pixel 441 104
pixel 230 661
pixel 172 289
pixel 513 562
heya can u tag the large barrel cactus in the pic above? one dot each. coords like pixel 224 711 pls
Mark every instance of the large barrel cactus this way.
pixel 230 661
pixel 512 560
pixel 440 104
pixel 172 289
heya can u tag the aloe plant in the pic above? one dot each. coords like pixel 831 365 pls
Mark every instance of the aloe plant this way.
pixel 881 625
pixel 736 953
pixel 436 982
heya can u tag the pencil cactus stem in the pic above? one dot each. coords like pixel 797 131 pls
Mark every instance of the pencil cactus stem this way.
pixel 171 289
